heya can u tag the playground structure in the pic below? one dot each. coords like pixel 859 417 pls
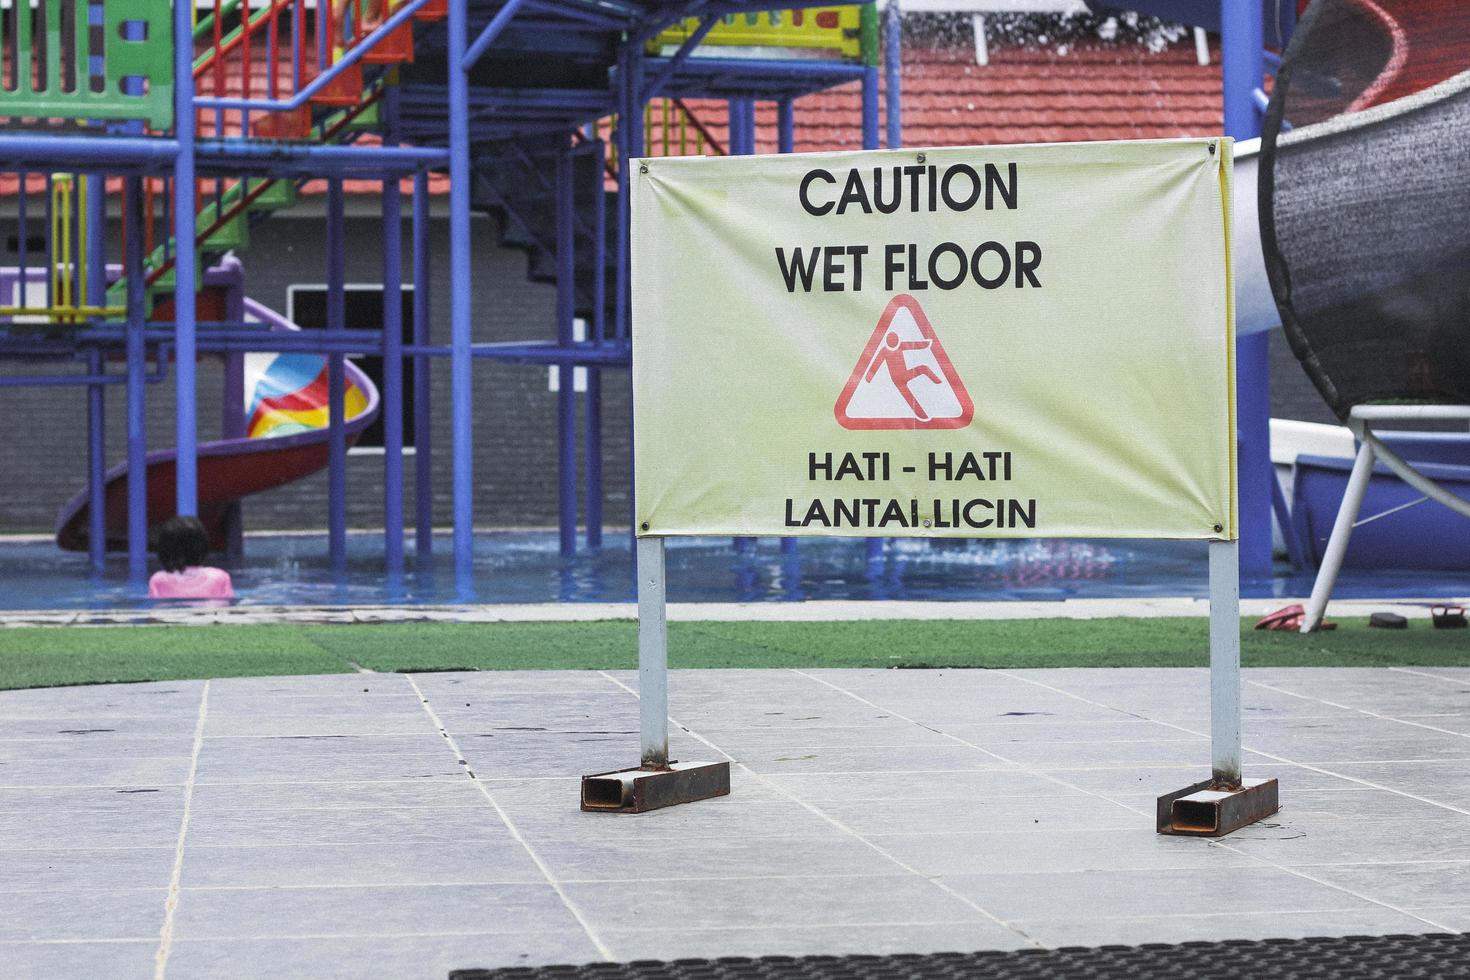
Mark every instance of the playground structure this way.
pixel 530 107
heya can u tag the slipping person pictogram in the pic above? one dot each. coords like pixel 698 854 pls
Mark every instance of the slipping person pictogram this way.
pixel 904 378
pixel 894 356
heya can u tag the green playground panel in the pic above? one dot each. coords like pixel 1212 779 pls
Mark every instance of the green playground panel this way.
pixel 57 76
pixel 234 233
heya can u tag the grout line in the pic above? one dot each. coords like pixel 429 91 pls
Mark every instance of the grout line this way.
pixel 171 904
pixel 1019 767
pixel 1361 711
pixel 1287 761
pixel 1236 850
pixel 1438 677
pixel 545 869
pixel 123 940
pixel 844 828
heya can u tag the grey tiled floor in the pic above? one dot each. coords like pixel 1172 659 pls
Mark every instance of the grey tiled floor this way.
pixel 326 826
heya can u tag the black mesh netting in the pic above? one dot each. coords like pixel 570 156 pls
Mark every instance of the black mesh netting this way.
pixel 1365 199
pixel 1441 956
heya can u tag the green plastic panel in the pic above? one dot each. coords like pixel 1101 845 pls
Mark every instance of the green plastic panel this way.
pixel 58 77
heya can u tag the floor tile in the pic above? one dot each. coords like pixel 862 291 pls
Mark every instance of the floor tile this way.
pixel 871 939
pixel 756 903
pixel 133 960
pixel 1139 849
pixel 82 914
pixel 1188 928
pixel 359 864
pixel 368 911
pixel 360 825
pixel 387 957
pixel 1140 894
pixel 69 868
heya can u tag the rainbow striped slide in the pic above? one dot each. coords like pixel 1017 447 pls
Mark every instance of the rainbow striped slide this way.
pixel 286 439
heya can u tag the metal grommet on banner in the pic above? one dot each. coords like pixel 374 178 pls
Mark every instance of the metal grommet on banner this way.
pixel 921 158
pixel 1211 148
pixel 644 526
pixel 644 169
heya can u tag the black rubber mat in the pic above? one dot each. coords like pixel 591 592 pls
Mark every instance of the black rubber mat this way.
pixel 1437 956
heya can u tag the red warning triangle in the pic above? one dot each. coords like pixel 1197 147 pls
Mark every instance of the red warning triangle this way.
pixel 904 379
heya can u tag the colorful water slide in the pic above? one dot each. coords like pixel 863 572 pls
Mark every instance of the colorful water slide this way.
pixel 286 439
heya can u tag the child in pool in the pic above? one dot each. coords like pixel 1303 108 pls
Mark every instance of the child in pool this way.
pixel 182 547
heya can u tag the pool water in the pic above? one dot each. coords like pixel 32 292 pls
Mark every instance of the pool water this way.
pixel 523 567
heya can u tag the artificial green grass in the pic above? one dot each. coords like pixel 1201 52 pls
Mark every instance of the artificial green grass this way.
pixel 46 656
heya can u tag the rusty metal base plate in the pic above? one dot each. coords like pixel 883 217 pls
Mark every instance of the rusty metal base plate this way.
pixel 1205 810
pixel 637 790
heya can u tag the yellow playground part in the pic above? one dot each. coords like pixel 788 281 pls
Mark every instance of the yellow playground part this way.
pixel 68 279
pixel 837 30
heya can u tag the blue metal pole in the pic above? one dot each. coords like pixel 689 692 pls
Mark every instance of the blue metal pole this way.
pixel 874 546
pixel 96 466
pixel 96 394
pixel 487 37
pixel 392 349
pixel 423 473
pixel 870 108
pixel 1243 67
pixel 186 432
pixel 137 390
pixel 742 109
pixel 786 126
pixel 737 119
pixel 462 378
pixel 232 416
pixel 742 143
pixel 566 395
pixel 592 445
pixel 336 383
pixel 22 233
pixel 630 130
pixel 786 143
pixel 893 69
pixel 622 137
pixel 47 223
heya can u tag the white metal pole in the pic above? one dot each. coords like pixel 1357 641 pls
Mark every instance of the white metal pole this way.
pixel 653 654
pixel 1225 662
pixel 1342 531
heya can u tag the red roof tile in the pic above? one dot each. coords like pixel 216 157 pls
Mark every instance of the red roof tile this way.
pixel 1097 90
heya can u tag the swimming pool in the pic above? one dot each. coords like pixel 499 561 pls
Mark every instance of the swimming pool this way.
pixel 525 566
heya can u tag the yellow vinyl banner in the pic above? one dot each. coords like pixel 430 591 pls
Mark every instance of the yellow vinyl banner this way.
pixel 1001 341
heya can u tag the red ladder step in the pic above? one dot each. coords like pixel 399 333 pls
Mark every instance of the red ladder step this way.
pixel 395 49
pixel 342 91
pixel 290 124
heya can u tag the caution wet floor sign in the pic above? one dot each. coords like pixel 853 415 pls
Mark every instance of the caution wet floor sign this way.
pixel 1025 341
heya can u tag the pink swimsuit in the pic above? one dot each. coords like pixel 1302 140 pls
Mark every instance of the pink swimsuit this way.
pixel 194 582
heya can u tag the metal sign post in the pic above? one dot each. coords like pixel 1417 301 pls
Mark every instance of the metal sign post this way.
pixel 1226 801
pixel 659 781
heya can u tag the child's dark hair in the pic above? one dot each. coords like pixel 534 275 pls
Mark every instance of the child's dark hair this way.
pixel 182 542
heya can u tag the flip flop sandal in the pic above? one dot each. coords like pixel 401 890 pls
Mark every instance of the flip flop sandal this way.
pixel 1448 617
pixel 1287 618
